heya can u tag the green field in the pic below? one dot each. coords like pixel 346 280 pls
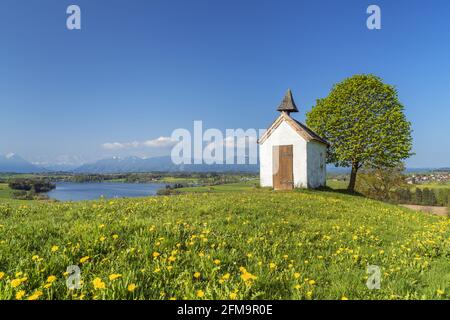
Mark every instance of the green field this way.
pixel 6 194
pixel 5 191
pixel 434 185
pixel 230 187
pixel 247 244
pixel 337 184
pixel 249 186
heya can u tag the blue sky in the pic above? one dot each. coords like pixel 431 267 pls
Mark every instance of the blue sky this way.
pixel 140 69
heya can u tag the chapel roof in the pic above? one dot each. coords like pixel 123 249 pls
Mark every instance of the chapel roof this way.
pixel 288 104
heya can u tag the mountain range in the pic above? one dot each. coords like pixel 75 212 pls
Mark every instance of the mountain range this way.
pixel 12 163
pixel 15 164
pixel 136 164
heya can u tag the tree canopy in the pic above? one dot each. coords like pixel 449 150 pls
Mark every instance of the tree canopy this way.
pixel 363 120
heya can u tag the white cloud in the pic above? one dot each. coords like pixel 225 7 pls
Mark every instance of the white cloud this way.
pixel 155 143
pixel 160 142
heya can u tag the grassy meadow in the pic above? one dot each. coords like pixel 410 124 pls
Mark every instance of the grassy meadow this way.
pixel 434 185
pixel 235 243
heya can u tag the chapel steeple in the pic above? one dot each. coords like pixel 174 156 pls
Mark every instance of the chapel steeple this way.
pixel 288 104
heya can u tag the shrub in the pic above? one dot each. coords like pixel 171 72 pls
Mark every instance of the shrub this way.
pixel 23 195
pixel 381 183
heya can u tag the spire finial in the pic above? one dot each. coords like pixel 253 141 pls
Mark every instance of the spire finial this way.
pixel 288 104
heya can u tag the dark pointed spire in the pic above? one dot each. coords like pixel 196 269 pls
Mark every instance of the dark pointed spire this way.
pixel 288 104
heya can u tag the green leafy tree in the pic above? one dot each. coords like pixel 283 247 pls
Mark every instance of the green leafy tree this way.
pixel 363 120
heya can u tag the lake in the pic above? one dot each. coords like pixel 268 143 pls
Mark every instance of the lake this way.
pixel 72 191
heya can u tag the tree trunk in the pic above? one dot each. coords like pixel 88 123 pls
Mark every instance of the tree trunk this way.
pixel 352 183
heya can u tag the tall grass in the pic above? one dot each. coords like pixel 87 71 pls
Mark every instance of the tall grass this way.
pixel 235 245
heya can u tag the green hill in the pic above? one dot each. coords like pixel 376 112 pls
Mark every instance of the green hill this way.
pixel 254 244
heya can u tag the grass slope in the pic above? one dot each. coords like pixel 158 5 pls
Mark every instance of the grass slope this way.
pixel 234 245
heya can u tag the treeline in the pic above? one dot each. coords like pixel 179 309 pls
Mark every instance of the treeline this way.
pixel 425 196
pixel 29 189
pixel 203 178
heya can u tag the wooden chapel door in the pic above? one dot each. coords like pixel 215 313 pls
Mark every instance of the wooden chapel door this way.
pixel 283 174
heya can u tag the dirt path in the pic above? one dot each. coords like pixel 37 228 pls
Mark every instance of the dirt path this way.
pixel 439 211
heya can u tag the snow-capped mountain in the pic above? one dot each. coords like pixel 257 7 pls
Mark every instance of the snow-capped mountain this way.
pixel 13 163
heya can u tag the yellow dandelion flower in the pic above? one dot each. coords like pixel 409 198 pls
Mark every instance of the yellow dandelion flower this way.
pixel 200 294
pixel 233 296
pixel 297 286
pixel 226 276
pixel 216 262
pixel 156 254
pixel 35 296
pixel 20 294
pixel 114 276
pixel 54 248
pixel 272 265
pixel 102 238
pixel 2 275
pixel 296 275
pixel 247 276
pixel 197 275
pixel 311 282
pixel 131 287
pixel 171 259
pixel 17 282
pixel 98 283
pixel 344 298
pixel 84 259
pixel 440 292
pixel 115 236
pixel 51 279
pixel 35 257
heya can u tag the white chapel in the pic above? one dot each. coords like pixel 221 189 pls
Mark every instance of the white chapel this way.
pixel 291 155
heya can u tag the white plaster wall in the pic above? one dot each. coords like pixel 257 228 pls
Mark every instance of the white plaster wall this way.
pixel 284 135
pixel 317 172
